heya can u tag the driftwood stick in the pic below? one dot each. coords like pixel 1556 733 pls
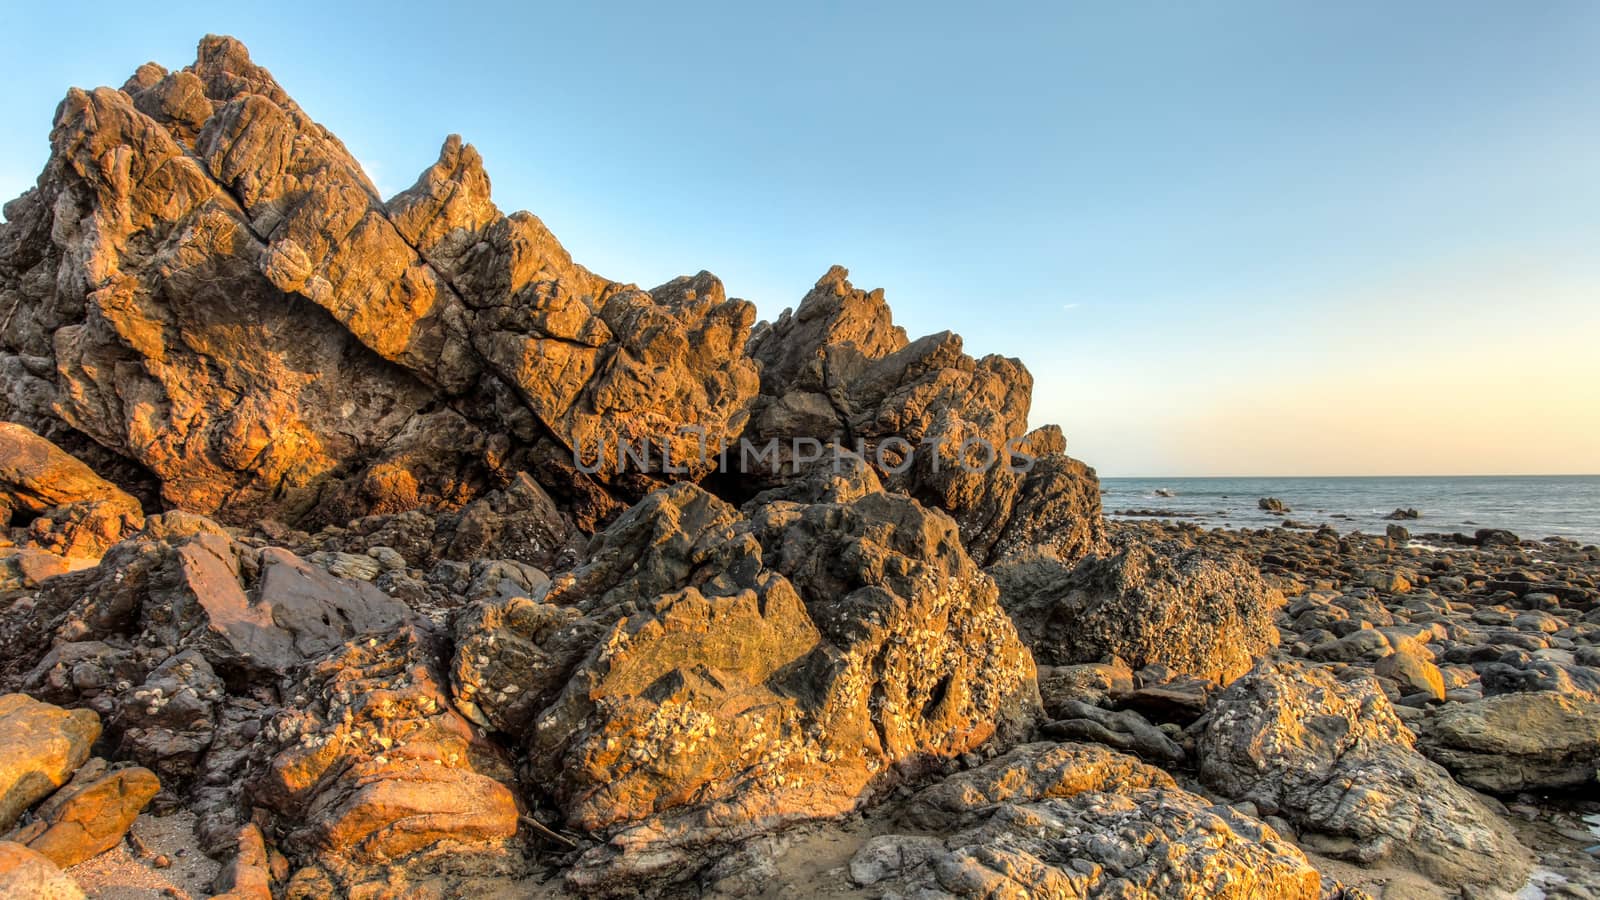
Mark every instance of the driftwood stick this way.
pixel 545 831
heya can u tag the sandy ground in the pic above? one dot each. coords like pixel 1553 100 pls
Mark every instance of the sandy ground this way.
pixel 816 864
pixel 813 862
pixel 122 874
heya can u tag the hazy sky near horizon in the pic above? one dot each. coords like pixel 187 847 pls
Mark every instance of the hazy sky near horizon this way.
pixel 1232 238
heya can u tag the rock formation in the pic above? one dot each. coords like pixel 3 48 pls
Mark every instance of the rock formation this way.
pixel 196 235
pixel 66 508
pixel 1518 742
pixel 937 424
pixel 1074 820
pixel 1199 614
pixel 713 674
pixel 40 747
pixel 373 778
pixel 28 873
pixel 1333 758
pixel 90 814
pixel 88 804
pixel 405 556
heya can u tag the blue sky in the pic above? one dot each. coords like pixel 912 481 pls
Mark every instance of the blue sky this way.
pixel 1227 238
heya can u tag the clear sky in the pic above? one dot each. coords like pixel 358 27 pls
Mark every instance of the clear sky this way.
pixel 1227 238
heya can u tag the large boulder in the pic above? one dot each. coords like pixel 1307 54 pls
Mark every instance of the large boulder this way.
pixel 1210 616
pixel 40 747
pixel 151 326
pixel 710 675
pixel 90 815
pixel 1333 758
pixel 1079 821
pixel 67 508
pixel 371 779
pixel 937 424
pixel 217 295
pixel 597 363
pixel 28 873
pixel 1510 743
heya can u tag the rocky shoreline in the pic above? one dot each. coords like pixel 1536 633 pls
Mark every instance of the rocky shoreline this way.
pixel 300 553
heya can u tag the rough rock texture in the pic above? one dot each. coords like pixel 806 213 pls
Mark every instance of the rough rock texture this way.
pixel 135 298
pixel 40 747
pixel 28 873
pixel 437 656
pixel 374 783
pixel 197 236
pixel 241 608
pixel 520 523
pixel 66 508
pixel 1199 614
pixel 1079 821
pixel 837 369
pixel 1517 742
pixel 248 875
pixel 1410 666
pixel 178 639
pixel 1123 730
pixel 1333 758
pixel 707 676
pixel 90 814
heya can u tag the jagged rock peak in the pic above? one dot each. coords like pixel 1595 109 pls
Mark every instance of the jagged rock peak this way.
pixel 218 304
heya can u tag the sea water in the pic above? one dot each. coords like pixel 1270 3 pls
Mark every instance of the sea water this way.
pixel 1531 506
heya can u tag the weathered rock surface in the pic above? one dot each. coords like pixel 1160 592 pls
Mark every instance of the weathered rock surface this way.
pixel 205 299
pixel 1410 666
pixel 1202 615
pixel 374 782
pixel 215 300
pixel 66 508
pixel 248 875
pixel 40 747
pixel 28 873
pixel 90 814
pixel 178 638
pixel 196 236
pixel 1076 820
pixel 1333 758
pixel 707 676
pixel 1517 742
pixel 1099 683
pixel 410 671
pixel 837 370
pixel 1123 730
pixel 241 608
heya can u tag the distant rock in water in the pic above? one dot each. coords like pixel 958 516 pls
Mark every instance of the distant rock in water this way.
pixel 1272 505
pixel 1402 514
pixel 1495 537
